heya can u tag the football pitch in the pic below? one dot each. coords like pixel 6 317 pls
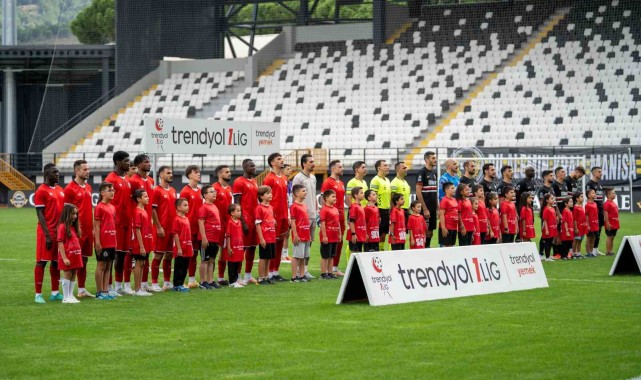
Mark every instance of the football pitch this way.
pixel 585 325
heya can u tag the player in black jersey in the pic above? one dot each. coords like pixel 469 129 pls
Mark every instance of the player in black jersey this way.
pixel 427 193
pixel 573 179
pixel 525 185
pixel 469 177
pixel 595 184
pixel 489 175
pixel 507 173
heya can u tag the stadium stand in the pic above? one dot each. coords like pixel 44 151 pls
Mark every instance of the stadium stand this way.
pixel 353 94
pixel 179 96
pixel 579 86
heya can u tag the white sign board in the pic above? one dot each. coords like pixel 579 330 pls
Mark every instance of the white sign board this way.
pixel 392 277
pixel 195 136
pixel 628 259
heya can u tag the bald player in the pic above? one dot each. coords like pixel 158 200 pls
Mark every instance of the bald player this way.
pixel 381 185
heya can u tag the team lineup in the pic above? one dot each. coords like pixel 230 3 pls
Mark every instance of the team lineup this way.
pixel 139 227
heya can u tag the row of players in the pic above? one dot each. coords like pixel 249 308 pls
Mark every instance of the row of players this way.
pixel 245 193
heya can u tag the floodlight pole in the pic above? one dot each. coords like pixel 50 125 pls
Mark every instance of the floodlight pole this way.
pixel 378 22
pixel 9 94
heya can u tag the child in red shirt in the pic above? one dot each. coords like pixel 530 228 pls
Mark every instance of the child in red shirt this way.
pixel 466 221
pixel 69 251
pixel 508 216
pixel 301 234
pixel 481 211
pixel 104 231
pixel 235 245
pixel 372 222
pixel 183 248
pixel 549 229
pixel 592 215
pixel 329 234
pixel 141 240
pixel 448 215
pixel 567 229
pixel 611 218
pixel 266 232
pixel 527 217
pixel 580 224
pixel 209 230
pixel 357 232
pixel 493 219
pixel 397 223
pixel 417 226
pixel 476 237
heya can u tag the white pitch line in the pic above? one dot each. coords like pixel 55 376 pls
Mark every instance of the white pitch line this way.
pixel 599 281
pixel 1 259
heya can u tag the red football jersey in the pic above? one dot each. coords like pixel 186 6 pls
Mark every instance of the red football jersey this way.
pixel 330 216
pixel 141 220
pixel 298 213
pixel 265 217
pixel 567 225
pixel 509 210
pixel 80 196
pixel 465 208
pixel 71 244
pixel 53 201
pixel 481 212
pixel 357 215
pixel 495 223
pixel 224 197
pixel 549 218
pixel 234 231
pixel 613 214
pixel 195 200
pixel 122 201
pixel 181 228
pixel 450 206
pixel 213 227
pixel 527 215
pixel 397 216
pixel 580 219
pixel 105 214
pixel 592 214
pixel 372 217
pixel 417 225
pixel 248 190
pixel 137 182
pixel 278 185
pixel 338 186
pixel 164 201
pixel 476 238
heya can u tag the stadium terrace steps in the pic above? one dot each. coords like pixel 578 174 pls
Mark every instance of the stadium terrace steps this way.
pixel 397 34
pixel 13 179
pixel 413 152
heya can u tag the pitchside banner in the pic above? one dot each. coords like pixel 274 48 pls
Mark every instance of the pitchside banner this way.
pixel 194 136
pixel 628 259
pixel 392 277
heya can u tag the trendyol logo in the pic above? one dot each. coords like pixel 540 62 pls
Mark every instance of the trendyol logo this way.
pixel 159 124
pixel 159 137
pixel 458 274
pixel 377 264
pixel 210 137
pixel 382 280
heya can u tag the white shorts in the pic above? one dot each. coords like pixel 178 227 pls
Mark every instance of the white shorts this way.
pixel 301 251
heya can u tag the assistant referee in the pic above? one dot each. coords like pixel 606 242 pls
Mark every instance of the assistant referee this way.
pixel 381 185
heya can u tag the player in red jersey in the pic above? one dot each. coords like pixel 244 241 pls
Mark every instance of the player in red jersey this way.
pixel 373 221
pixel 357 231
pixel 397 229
pixel 329 233
pixel 567 229
pixel 466 220
pixel 278 183
pixel 549 224
pixel 182 248
pixel 78 193
pixel 124 207
pixel 301 237
pixel 209 230
pixel 163 215
pixel 69 251
pixel 49 200
pixel 449 215
pixel 141 239
pixel 611 215
pixel 245 192
pixel 191 192
pixel 580 224
pixel 476 238
pixel 509 222
pixel 493 219
pixel 104 240
pixel 592 215
pixel 333 182
pixel 234 246
pixel 224 197
pixel 481 211
pixel 417 226
pixel 266 233
pixel 142 180
pixel 526 217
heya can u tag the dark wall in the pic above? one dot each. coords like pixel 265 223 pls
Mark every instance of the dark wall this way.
pixel 148 30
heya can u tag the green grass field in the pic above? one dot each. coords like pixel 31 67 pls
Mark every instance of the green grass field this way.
pixel 585 325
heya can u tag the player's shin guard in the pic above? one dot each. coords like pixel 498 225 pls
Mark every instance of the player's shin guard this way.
pixel 155 270
pixel 39 275
pixel 54 272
